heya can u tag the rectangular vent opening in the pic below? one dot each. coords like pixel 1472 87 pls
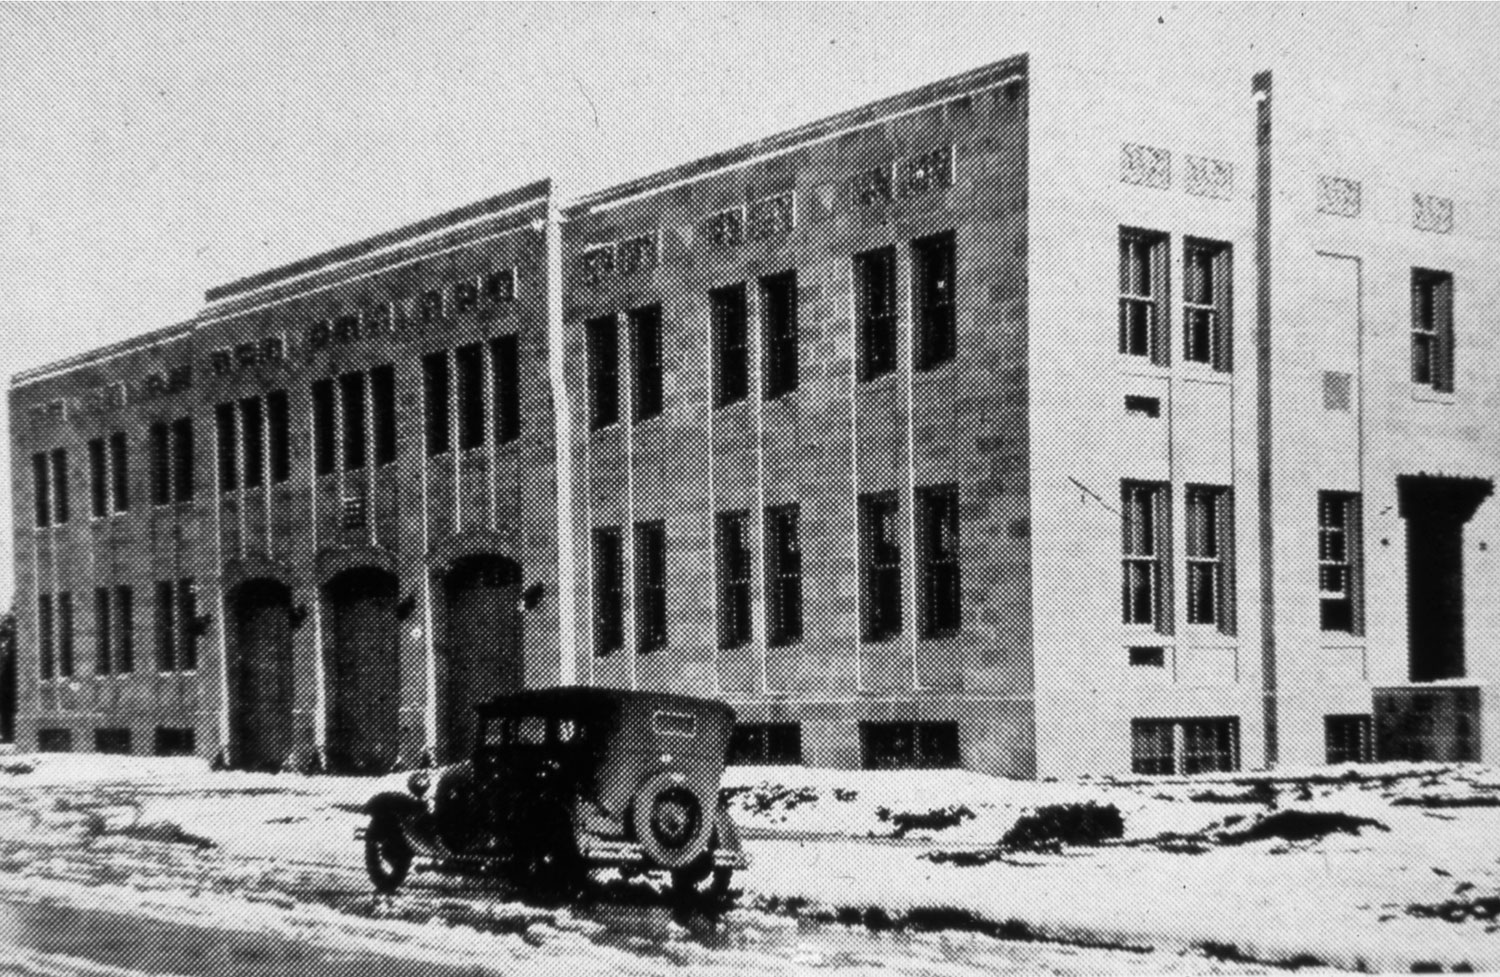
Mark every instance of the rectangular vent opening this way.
pixel 1139 405
pixel 355 512
pixel 1338 391
pixel 1148 656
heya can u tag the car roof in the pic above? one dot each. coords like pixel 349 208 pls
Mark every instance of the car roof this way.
pixel 573 699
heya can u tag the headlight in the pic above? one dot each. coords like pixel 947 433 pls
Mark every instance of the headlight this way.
pixel 418 783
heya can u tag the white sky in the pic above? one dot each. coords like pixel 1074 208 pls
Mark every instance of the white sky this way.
pixel 148 152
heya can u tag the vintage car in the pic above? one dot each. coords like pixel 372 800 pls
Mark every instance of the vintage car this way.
pixel 564 780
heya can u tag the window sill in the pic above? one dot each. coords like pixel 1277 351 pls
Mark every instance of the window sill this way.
pixel 1204 373
pixel 1427 395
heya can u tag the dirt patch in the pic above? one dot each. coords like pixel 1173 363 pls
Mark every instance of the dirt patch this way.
pixel 1050 827
pixel 1297 825
pixel 1446 800
pixel 767 798
pixel 935 819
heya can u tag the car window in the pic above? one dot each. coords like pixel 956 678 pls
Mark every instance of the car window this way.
pixel 674 723
pixel 494 733
pixel 567 731
pixel 531 730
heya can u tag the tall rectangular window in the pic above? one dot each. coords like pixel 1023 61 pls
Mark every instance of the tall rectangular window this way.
pixel 102 636
pixel 59 486
pixel 41 488
pixel 119 472
pixel 161 463
pixel 1432 329
pixel 732 552
pixel 435 400
pixel 938 535
pixel 470 366
pixel 253 431
pixel 279 436
pixel 124 657
pixel 98 480
pixel 166 627
pixel 650 586
pixel 1210 557
pixel 646 364
pixel 182 460
pixel 187 625
pixel 505 385
pixel 1146 543
pixel 1340 562
pixel 730 318
pixel 779 344
pixel 46 636
pixel 783 576
pixel 1207 326
pixel 604 372
pixel 1143 295
pixel 875 293
pixel 355 420
pixel 933 267
pixel 383 412
pixel 880 565
pixel 609 585
pixel 324 413
pixel 228 443
pixel 65 635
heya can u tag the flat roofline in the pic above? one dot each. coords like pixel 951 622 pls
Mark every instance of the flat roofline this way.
pixel 33 374
pixel 509 200
pixel 934 92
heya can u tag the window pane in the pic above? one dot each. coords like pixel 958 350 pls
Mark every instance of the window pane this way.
pixel 59 485
pixel 353 411
pixel 182 459
pixel 435 402
pixel 119 469
pixel 253 433
pixel 506 385
pixel 470 365
pixel 604 372
pixel 383 412
pixel 646 351
pixel 730 327
pixel 278 421
pixel 323 433
pixel 779 314
pixel 875 281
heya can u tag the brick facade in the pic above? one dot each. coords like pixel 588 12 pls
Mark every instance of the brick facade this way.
pixel 778 317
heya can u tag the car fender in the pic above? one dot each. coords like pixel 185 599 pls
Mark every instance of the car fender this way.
pixel 392 807
pixel 728 836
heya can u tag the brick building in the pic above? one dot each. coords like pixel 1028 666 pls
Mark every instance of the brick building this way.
pixel 1028 421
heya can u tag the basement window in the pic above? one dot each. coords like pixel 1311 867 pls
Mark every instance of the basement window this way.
pixel 174 741
pixel 909 745
pixel 764 744
pixel 1184 746
pixel 1349 739
pixel 112 740
pixel 1138 405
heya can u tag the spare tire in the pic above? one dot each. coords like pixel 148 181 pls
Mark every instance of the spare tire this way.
pixel 671 822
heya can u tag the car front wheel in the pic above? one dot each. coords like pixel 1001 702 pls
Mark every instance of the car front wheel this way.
pixel 387 856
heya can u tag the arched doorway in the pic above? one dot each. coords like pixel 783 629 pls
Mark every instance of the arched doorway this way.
pixel 362 672
pixel 260 674
pixel 481 647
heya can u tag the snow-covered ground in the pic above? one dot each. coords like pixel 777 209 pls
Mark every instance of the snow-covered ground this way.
pixel 900 853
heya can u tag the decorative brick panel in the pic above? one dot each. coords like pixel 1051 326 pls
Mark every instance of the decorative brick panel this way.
pixel 1146 166
pixel 1338 196
pixel 636 254
pixel 1206 177
pixel 1432 213
pixel 873 187
pixel 771 217
pixel 932 170
pixel 725 229
pixel 595 264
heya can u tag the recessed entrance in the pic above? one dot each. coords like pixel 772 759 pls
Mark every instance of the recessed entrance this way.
pixel 361 672
pixel 1435 510
pixel 260 675
pixel 482 646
